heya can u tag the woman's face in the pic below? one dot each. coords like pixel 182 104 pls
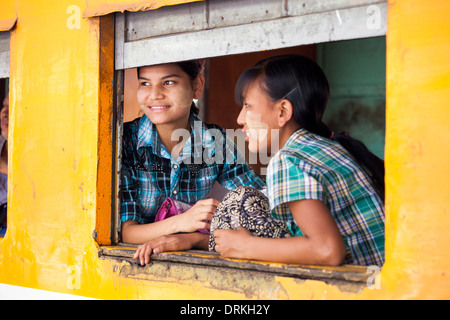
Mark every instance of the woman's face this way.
pixel 4 118
pixel 259 120
pixel 165 94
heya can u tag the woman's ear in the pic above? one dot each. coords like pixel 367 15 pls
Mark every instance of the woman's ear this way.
pixel 199 85
pixel 285 112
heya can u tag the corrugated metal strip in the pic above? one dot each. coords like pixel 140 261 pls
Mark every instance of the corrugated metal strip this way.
pixel 103 7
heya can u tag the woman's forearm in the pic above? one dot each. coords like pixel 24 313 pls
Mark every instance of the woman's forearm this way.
pixel 135 233
pixel 277 250
pixel 299 250
pixel 196 218
pixel 200 240
pixel 322 242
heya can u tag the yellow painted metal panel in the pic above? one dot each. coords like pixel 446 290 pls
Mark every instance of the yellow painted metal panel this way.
pixel 102 7
pixel 60 151
pixel 54 88
pixel 8 15
pixel 417 148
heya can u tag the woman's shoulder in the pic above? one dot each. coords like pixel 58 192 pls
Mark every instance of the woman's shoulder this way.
pixel 131 126
pixel 283 159
pixel 308 152
pixel 210 126
pixel 307 145
pixel 129 136
pixel 212 133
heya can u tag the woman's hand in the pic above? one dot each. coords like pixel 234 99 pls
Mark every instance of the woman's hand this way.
pixel 198 217
pixel 174 242
pixel 233 243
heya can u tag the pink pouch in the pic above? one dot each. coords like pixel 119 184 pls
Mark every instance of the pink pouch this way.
pixel 171 207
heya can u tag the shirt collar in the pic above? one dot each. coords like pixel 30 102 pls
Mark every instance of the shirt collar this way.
pixel 147 135
pixel 297 135
pixel 200 135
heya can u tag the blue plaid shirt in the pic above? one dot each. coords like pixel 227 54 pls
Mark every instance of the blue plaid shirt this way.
pixel 150 174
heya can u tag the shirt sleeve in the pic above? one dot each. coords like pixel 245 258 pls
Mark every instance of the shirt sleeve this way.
pixel 129 204
pixel 287 181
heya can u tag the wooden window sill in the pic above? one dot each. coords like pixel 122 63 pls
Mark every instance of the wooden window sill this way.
pixel 345 273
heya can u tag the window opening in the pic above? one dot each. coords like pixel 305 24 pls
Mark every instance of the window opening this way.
pixel 4 117
pixel 221 73
pixel 219 107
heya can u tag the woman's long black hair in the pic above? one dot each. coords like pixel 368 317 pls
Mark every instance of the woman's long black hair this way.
pixel 192 68
pixel 301 81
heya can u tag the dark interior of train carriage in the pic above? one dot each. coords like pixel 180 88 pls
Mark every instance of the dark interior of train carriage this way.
pixel 4 83
pixel 354 68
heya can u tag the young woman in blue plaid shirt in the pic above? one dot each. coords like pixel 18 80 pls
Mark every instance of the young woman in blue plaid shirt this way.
pixel 157 164
pixel 325 187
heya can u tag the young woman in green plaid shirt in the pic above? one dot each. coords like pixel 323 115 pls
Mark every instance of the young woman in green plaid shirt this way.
pixel 325 189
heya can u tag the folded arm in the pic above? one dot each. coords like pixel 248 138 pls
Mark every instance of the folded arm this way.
pixel 321 244
pixel 197 217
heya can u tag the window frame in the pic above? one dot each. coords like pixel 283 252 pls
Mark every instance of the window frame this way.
pixel 126 57
pixel 5 38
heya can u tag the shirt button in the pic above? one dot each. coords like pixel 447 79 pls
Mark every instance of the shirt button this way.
pixel 175 191
pixel 175 166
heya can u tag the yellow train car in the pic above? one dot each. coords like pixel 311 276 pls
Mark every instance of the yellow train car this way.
pixel 67 63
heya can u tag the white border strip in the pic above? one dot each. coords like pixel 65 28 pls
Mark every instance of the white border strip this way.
pixel 10 292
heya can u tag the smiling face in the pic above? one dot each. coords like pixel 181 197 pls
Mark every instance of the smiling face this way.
pixel 165 94
pixel 259 119
pixel 4 118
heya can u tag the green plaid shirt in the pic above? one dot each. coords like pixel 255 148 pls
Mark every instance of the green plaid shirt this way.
pixel 312 167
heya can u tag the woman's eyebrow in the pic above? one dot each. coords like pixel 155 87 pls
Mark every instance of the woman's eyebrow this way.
pixel 173 75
